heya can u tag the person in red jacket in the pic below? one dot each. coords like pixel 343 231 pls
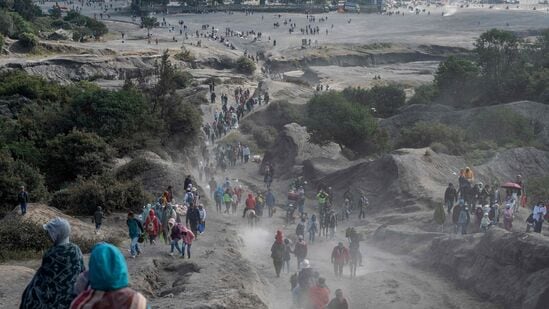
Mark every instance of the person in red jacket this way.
pixel 250 204
pixel 340 257
pixel 319 295
pixel 152 226
pixel 187 236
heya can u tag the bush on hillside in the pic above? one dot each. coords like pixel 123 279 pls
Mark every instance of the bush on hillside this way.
pixel 425 134
pixel 245 66
pixel 332 118
pixel 19 83
pixel 83 196
pixel 264 136
pixel 424 94
pixel 185 55
pixel 28 40
pixel 75 154
pixel 182 79
pixel 386 100
pixel 1 43
pixel 15 174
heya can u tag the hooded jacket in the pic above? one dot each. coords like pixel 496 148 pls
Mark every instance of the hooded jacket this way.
pixel 340 255
pixel 108 278
pixel 152 224
pixel 250 202
pixel 188 237
pixel 319 296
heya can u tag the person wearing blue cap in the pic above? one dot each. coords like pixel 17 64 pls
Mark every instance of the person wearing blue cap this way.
pixel 52 285
pixel 108 282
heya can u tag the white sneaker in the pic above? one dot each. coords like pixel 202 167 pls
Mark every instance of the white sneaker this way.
pixel 171 253
pixel 133 256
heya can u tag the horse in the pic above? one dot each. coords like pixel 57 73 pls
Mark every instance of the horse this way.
pixel 252 218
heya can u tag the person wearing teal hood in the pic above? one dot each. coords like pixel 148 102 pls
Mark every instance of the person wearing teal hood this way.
pixel 52 285
pixel 108 282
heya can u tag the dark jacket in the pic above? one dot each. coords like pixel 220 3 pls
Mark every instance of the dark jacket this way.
pixel 193 216
pixel 336 304
pixel 450 195
pixel 23 197
pixel 98 217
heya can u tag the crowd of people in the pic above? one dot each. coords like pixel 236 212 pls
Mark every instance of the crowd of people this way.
pixel 473 204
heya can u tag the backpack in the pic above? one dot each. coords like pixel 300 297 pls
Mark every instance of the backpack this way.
pixel 190 198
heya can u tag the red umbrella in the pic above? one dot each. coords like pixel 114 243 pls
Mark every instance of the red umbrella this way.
pixel 511 185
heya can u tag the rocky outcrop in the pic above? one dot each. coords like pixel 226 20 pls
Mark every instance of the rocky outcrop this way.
pixel 418 177
pixel 506 268
pixel 292 148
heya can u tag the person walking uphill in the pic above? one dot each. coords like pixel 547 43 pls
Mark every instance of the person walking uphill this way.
pixel 108 281
pixel 339 302
pixel 319 295
pixel 278 250
pixel 187 236
pixel 97 218
pixel 167 213
pixel 193 219
pixel 23 199
pixel 250 204
pixel 450 197
pixel 135 228
pixel 300 251
pixel 52 285
pixel 152 226
pixel 340 257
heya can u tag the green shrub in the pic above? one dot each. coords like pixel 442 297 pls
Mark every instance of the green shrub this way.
pixel 424 94
pixel 264 136
pixel 182 79
pixel 331 118
pixel 1 43
pixel 7 26
pixel 245 66
pixel 28 240
pixel 28 40
pixel 15 174
pixel 246 126
pixel 185 55
pixel 387 99
pixel 75 154
pixel 19 83
pixel 83 196
pixel 424 134
pixel 21 25
pixel 19 239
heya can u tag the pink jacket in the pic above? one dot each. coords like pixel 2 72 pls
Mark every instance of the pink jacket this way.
pixel 188 239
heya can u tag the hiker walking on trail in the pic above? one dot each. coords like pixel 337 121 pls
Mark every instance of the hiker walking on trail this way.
pixel 278 250
pixel 23 199
pixel 193 218
pixel 363 203
pixel 227 200
pixel 187 236
pixel 300 228
pixel 135 229
pixel 450 197
pixel 287 254
pixel 332 223
pixel 250 204
pixel 108 282
pixel 218 197
pixel 52 285
pixel 188 182
pixel 319 295
pixel 97 218
pixel 213 186
pixel 340 257
pixel 270 202
pixel 463 220
pixel 508 217
pixel 312 228
pixel 167 213
pixel 202 224
pixel 539 213
pixel 152 226
pixel 339 302
pixel 301 282
pixel 300 251
pixel 175 236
